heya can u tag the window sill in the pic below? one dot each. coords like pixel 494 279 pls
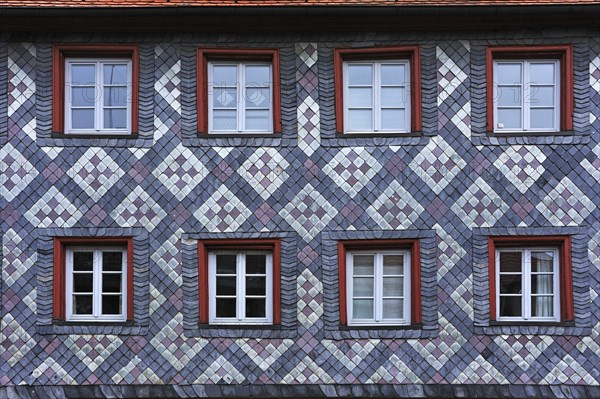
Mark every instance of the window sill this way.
pixel 375 139
pixel 413 331
pixel 240 331
pixel 237 140
pixel 60 327
pixel 99 140
pixel 531 138
pixel 503 328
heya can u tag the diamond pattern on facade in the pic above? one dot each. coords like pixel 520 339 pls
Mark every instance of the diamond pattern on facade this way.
pixel 168 87
pixel 352 358
pixel 15 341
pixel 307 372
pixel 395 208
pixel 172 346
pixel 180 172
pixel 310 293
pixel 53 209
pixel 132 374
pixel 479 205
pixel 51 368
pixel 450 75
pixel 264 353
pixel 93 350
pixel 351 169
pixel 522 165
pixel 16 172
pixel 95 172
pixel 566 204
pixel 16 261
pixel 309 138
pixel 21 87
pixel 223 211
pixel 525 351
pixel 138 209
pixel 593 168
pixel 451 252
pixel 437 164
pixel 480 371
pixel 395 371
pixel 265 170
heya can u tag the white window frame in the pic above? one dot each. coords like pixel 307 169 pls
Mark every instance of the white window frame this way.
pixel 526 284
pixel 241 103
pixel 378 289
pixel 526 87
pixel 376 93
pixel 99 103
pixel 96 315
pixel 240 288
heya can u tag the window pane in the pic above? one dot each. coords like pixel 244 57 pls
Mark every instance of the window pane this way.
pixel 111 282
pixel 392 74
pixel 82 304
pixel 541 96
pixel 224 98
pixel 542 73
pixel 115 119
pixel 82 118
pixel 258 97
pixel 359 119
pixel 111 304
pixel 542 262
pixel 224 75
pixel 360 97
pixel 393 286
pixel 83 261
pixel 510 262
pixel 256 286
pixel 509 96
pixel 508 73
pixel 83 74
pixel 258 75
pixel 256 264
pixel 393 265
pixel 542 306
pixel 393 308
pixel 226 263
pixel 542 284
pixel 226 285
pixel 509 118
pixel 393 97
pixel 510 283
pixel 115 74
pixel 258 120
pixel 83 96
pixel 83 282
pixel 362 309
pixel 255 307
pixel 112 261
pixel 224 120
pixel 115 96
pixel 360 74
pixel 542 118
pixel 362 286
pixel 510 306
pixel 393 119
pixel 363 265
pixel 225 307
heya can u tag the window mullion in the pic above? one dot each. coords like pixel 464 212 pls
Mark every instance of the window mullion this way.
pixel 97 283
pixel 526 88
pixel 241 103
pixel 378 289
pixel 241 287
pixel 526 281
pixel 407 288
pixel 376 96
pixel 99 122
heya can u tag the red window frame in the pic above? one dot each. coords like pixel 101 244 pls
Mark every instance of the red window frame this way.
pixel 93 51
pixel 563 243
pixel 375 54
pixel 563 53
pixel 60 246
pixel 204 55
pixel 413 245
pixel 205 246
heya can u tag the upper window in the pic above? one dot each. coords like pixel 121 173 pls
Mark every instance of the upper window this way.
pixel 377 90
pixel 530 89
pixel 95 89
pixel 238 91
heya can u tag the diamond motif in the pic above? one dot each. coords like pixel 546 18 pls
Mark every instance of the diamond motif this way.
pixel 310 291
pixel 220 369
pixel 93 350
pixel 223 211
pixel 307 371
pixel 521 165
pixel 95 172
pixel 566 204
pixel 480 205
pixel 138 209
pixel 308 213
pixel 169 343
pixel 21 87
pixel 262 353
pixel 265 171
pixel 16 172
pixel 16 342
pixel 168 87
pixel 593 168
pixel 180 172
pixel 437 164
pixel 450 76
pixel 351 169
pixel 594 74
pixel 395 208
pixel 53 209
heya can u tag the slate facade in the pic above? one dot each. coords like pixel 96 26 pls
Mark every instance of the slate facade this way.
pixel 451 186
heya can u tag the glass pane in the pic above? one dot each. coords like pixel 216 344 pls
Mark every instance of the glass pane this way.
pixel 224 75
pixel 510 262
pixel 359 119
pixel 541 96
pixel 256 264
pixel 82 118
pixel 224 120
pixel 510 306
pixel 111 282
pixel 258 75
pixel 542 306
pixel 393 97
pixel 256 286
pixel 393 119
pixel 542 118
pixel 115 96
pixel 363 265
pixel 508 73
pixel 225 307
pixel 393 265
pixel 224 98
pixel 393 286
pixel 226 285
pixel 360 97
pixel 226 263
pixel 112 261
pixel 510 283
pixel 542 284
pixel 83 261
pixel 115 74
pixel 392 74
pixel 255 307
pixel 509 118
pixel 258 97
pixel 362 309
pixel 542 73
pixel 509 96
pixel 83 96
pixel 83 282
pixel 393 308
pixel 362 286
pixel 82 304
pixel 542 262
pixel 258 120
pixel 360 74
pixel 115 118
pixel 111 304
pixel 83 74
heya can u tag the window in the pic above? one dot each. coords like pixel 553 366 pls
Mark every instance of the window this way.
pixel 530 279
pixel 95 89
pixel 377 90
pixel 93 279
pixel 379 282
pixel 530 89
pixel 239 281
pixel 238 91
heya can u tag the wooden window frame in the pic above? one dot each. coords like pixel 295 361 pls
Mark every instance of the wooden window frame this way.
pixel 410 53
